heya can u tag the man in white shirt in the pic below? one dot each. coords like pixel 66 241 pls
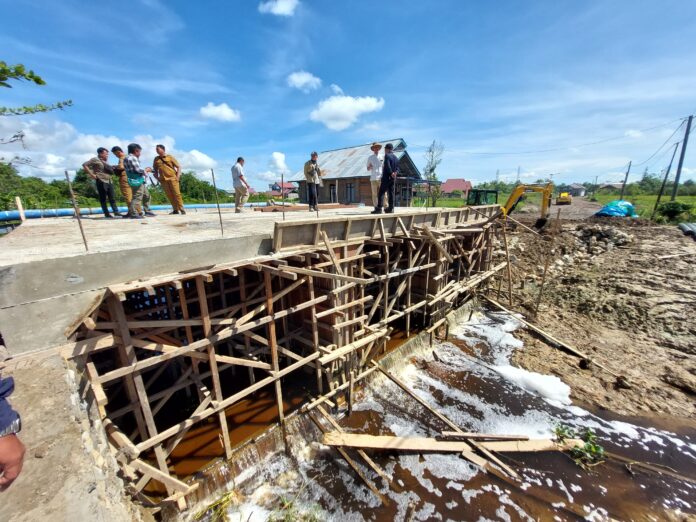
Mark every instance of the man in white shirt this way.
pixel 241 187
pixel 374 167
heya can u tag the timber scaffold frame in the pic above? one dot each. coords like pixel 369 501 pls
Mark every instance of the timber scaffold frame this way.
pixel 164 354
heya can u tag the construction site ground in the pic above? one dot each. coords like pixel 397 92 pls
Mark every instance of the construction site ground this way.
pixel 623 292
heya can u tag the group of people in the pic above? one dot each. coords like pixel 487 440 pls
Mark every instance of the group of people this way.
pixel 132 180
pixel 383 174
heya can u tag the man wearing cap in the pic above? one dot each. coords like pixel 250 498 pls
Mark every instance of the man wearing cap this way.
pixel 312 174
pixel 168 172
pixel 374 167
pixel 100 171
pixel 390 169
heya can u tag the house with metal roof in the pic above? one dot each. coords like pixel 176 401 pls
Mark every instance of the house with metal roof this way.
pixel 346 179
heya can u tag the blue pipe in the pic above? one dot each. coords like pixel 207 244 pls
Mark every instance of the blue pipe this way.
pixel 12 215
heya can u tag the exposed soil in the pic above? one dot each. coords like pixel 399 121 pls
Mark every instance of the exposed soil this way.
pixel 612 294
pixel 68 472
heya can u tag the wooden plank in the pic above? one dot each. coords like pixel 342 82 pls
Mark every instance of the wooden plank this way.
pixel 87 346
pixel 344 350
pixel 353 465
pixel 533 445
pixel 273 346
pixel 332 254
pixel 351 304
pixel 157 474
pixel 389 442
pixel 437 243
pixel 215 374
pixel 328 275
pixel 489 436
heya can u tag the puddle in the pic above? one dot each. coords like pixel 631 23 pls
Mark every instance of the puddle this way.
pixel 470 380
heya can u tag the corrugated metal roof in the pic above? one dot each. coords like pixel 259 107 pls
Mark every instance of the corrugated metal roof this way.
pixel 350 162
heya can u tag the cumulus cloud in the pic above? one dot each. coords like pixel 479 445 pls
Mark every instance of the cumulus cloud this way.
pixel 279 7
pixel 304 81
pixel 336 89
pixel 221 112
pixel 269 176
pixel 54 146
pixel 278 162
pixel 340 112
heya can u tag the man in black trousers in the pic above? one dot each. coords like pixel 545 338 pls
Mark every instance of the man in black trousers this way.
pixel 390 169
pixel 100 171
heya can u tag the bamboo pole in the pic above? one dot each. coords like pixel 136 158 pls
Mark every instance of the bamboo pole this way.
pixel 217 203
pixel 77 210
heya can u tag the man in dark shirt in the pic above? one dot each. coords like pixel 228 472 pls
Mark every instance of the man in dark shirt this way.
pixel 390 170
pixel 100 171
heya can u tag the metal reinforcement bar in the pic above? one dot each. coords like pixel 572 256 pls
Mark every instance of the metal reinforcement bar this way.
pixel 164 354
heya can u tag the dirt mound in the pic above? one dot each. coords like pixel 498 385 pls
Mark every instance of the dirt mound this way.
pixel 610 292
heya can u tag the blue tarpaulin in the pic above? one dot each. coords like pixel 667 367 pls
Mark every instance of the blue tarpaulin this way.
pixel 617 208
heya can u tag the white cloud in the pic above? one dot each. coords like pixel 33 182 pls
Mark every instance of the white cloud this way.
pixel 336 89
pixel 278 162
pixel 304 81
pixel 221 112
pixel 279 7
pixel 340 112
pixel 55 146
pixel 269 176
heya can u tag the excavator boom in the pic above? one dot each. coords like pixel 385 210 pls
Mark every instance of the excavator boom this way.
pixel 546 192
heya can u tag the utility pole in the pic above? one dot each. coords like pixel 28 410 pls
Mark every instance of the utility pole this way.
pixel 497 176
pixel 681 158
pixel 594 189
pixel 518 174
pixel 664 181
pixel 623 187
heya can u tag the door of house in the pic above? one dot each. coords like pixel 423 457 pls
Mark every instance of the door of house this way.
pixel 332 193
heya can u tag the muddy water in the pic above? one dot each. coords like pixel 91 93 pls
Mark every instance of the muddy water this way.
pixel 470 380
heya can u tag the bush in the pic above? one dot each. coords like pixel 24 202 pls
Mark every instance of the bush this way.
pixel 673 209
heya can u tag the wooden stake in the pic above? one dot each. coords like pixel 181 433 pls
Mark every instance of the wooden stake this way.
pixel 217 202
pixel 509 269
pixel 77 210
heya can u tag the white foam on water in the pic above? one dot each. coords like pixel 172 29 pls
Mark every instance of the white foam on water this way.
pixel 550 387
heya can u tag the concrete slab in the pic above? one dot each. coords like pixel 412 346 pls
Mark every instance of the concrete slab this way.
pixel 47 279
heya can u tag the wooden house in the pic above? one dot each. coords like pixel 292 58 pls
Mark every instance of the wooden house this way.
pixel 347 181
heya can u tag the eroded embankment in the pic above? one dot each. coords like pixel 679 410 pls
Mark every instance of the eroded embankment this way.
pixel 470 380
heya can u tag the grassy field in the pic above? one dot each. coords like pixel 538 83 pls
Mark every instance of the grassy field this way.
pixel 645 203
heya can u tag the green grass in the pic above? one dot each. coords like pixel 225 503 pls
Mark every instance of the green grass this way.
pixel 644 203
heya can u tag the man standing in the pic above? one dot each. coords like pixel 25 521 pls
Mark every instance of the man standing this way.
pixel 241 187
pixel 11 448
pixel 120 171
pixel 390 170
pixel 138 182
pixel 168 172
pixel 100 171
pixel 312 174
pixel 374 167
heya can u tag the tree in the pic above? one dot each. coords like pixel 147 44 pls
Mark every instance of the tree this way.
pixel 18 73
pixel 433 158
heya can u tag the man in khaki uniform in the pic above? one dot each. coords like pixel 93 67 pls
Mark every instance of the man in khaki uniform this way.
pixel 168 172
pixel 313 175
pixel 120 171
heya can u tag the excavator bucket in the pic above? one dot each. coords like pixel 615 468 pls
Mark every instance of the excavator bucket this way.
pixel 541 223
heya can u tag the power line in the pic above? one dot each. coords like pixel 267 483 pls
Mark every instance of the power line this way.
pixel 570 147
pixel 660 147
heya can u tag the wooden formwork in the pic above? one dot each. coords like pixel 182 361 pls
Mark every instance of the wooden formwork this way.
pixel 164 354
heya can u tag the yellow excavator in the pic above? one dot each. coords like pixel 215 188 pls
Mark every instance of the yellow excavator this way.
pixel 490 196
pixel 546 192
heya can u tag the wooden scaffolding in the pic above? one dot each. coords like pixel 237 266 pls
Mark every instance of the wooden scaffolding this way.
pixel 164 354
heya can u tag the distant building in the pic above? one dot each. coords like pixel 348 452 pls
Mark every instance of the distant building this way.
pixel 346 179
pixel 449 187
pixel 577 190
pixel 280 190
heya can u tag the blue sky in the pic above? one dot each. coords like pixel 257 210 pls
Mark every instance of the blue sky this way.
pixel 274 80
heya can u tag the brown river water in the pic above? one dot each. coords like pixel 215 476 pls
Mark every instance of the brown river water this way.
pixel 469 379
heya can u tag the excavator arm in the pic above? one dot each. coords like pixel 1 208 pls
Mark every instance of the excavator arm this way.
pixel 546 195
